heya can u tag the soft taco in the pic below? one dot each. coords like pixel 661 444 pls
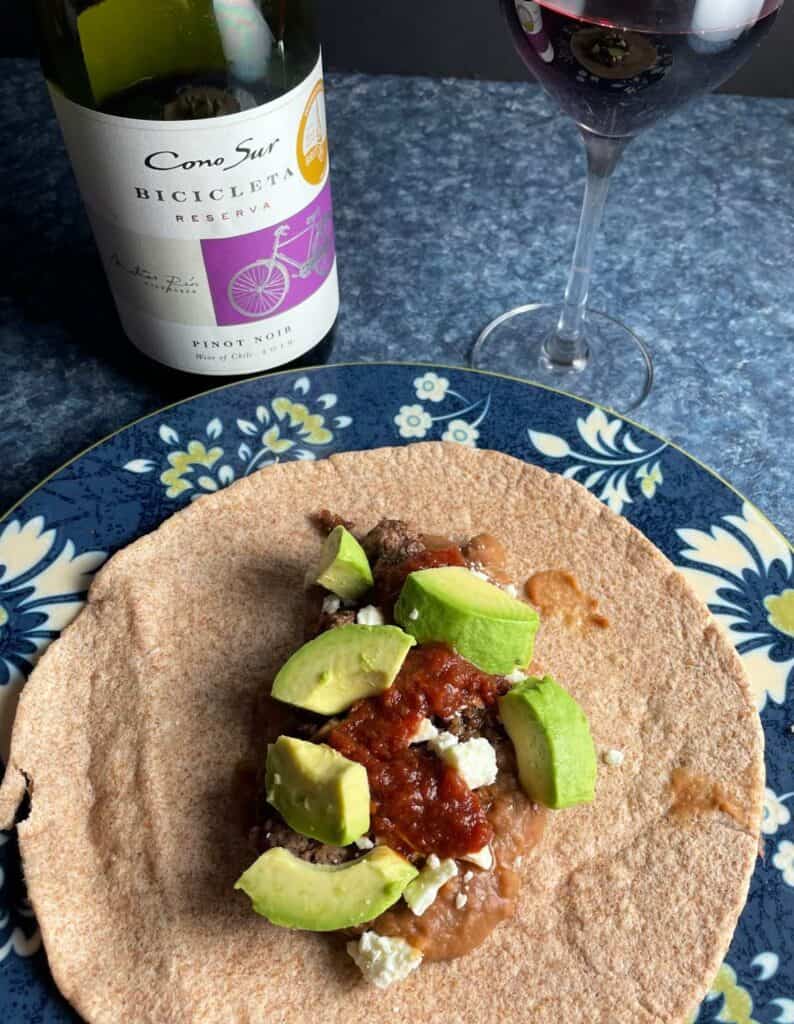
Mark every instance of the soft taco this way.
pixel 137 732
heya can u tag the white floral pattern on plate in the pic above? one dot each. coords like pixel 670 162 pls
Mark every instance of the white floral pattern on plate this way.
pixel 42 587
pixel 784 861
pixel 744 572
pixel 431 387
pixel 731 1001
pixel 775 813
pixel 746 577
pixel 18 931
pixel 414 422
pixel 462 433
pixel 283 429
pixel 616 460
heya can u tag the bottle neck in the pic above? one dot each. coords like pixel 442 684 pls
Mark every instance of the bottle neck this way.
pixel 175 59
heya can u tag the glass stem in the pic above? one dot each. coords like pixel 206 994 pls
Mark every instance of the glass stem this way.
pixel 566 348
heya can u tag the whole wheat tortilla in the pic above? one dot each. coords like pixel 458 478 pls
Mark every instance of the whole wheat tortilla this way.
pixel 130 728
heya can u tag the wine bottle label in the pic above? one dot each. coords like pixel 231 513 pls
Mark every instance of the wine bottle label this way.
pixel 216 234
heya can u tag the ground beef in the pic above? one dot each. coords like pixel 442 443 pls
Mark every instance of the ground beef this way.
pixel 316 621
pixel 326 521
pixel 391 541
pixel 328 620
pixel 483 722
pixel 275 832
pixel 331 620
pixel 388 545
pixel 467 723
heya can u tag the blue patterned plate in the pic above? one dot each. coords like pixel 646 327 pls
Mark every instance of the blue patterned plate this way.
pixel 57 537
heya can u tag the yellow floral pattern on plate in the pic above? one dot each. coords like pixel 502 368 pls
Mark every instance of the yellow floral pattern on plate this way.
pixel 183 462
pixel 737 1005
pixel 283 428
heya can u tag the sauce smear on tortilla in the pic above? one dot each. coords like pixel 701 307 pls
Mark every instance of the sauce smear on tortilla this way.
pixel 474 902
pixel 694 794
pixel 489 553
pixel 555 591
pixel 421 805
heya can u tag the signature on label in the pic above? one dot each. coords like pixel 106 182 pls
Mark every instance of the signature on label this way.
pixel 182 284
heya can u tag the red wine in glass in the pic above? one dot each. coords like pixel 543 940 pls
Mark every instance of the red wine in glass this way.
pixel 615 67
pixel 616 79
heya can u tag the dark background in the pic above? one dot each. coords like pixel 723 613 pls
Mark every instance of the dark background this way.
pixel 443 37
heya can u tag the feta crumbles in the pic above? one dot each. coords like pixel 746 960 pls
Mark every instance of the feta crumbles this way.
pixel 383 960
pixel 331 604
pixel 516 676
pixel 482 858
pixel 442 742
pixel 424 731
pixel 369 615
pixel 422 891
pixel 614 758
pixel 479 571
pixel 474 760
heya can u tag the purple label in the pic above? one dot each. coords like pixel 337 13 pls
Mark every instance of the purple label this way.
pixel 255 276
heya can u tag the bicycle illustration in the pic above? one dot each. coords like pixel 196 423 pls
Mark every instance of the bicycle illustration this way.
pixel 260 288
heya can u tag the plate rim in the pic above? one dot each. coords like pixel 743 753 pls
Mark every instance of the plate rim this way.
pixel 396 362
pixel 743 983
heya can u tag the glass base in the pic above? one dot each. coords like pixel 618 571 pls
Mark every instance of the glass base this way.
pixel 618 370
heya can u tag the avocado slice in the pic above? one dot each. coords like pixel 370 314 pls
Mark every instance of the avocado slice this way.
pixel 554 749
pixel 341 666
pixel 480 621
pixel 318 792
pixel 344 568
pixel 293 893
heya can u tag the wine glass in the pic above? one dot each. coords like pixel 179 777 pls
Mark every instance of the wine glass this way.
pixel 615 67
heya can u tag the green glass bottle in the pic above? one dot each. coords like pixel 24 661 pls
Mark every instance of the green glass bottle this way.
pixel 197 133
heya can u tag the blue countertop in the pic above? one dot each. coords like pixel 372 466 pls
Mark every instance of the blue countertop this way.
pixel 454 200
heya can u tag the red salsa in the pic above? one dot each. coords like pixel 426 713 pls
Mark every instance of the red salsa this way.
pixel 420 804
pixel 390 578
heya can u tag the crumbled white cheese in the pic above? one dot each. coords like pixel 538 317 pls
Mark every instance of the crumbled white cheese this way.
pixel 510 589
pixel 614 758
pixel 413 615
pixel 482 858
pixel 331 604
pixel 468 876
pixel 424 731
pixel 369 615
pixel 421 893
pixel 519 861
pixel 444 741
pixel 474 761
pixel 480 575
pixel 461 900
pixel 382 960
pixel 364 843
pixel 516 676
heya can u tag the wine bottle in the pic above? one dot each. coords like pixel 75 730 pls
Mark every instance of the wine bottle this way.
pixel 197 133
